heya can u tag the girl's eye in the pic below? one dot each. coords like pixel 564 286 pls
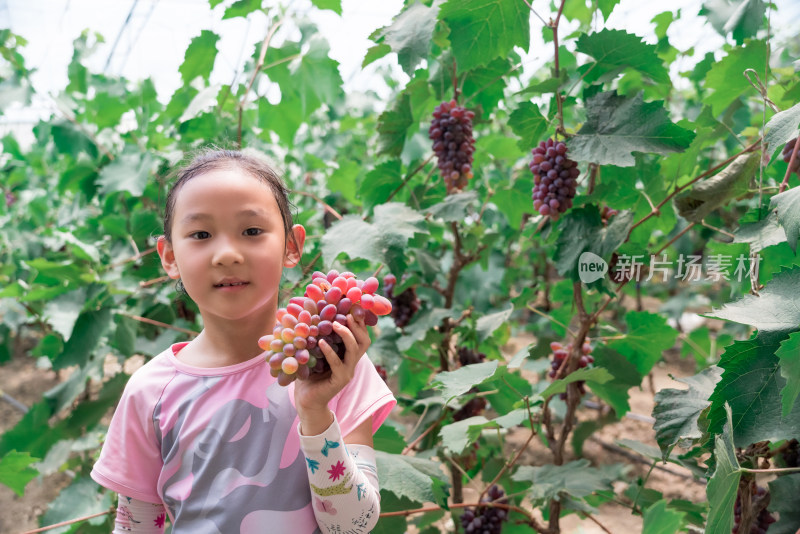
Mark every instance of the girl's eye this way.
pixel 253 231
pixel 201 235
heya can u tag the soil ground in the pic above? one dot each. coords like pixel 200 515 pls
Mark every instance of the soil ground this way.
pixel 22 380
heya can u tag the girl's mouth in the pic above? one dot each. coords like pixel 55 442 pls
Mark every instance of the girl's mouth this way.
pixel 232 284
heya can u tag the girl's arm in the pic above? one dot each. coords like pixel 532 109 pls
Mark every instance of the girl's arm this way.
pixel 343 478
pixel 139 517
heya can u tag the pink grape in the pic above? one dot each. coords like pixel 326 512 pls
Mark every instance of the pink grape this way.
pixel 289 365
pixel 302 330
pixel 333 295
pixel 367 301
pixel 370 285
pixel 354 294
pixel 328 313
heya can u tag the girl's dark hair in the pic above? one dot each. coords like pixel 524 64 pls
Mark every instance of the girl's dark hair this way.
pixel 215 158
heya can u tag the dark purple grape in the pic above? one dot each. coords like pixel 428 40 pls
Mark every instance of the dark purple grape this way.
pixel 554 178
pixel 404 305
pixel 451 133
pixel 486 519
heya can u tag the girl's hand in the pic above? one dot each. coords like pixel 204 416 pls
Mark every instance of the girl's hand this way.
pixel 311 396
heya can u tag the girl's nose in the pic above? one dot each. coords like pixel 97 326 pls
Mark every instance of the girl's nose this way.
pixel 227 253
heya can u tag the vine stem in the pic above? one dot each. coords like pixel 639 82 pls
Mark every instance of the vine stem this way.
pixel 154 281
pixel 325 205
pixel 779 471
pixel 262 54
pixel 554 26
pixel 408 178
pixel 70 522
pixel 427 431
pixel 785 182
pixel 677 190
pixel 135 257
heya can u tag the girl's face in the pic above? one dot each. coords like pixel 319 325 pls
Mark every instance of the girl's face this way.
pixel 228 245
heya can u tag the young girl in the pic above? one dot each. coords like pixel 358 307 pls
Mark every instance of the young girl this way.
pixel 203 433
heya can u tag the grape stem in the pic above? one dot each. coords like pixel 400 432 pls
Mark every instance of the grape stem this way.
pixel 427 431
pixel 409 177
pixel 785 182
pixel 160 324
pixel 554 26
pixel 325 205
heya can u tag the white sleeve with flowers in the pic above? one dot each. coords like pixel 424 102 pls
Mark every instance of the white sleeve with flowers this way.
pixel 344 482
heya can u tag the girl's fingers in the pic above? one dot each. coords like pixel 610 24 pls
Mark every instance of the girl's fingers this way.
pixel 349 340
pixel 330 355
pixel 360 332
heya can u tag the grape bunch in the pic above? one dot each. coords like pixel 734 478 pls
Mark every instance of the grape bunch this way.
pixel 555 178
pixel 381 372
pixel 787 155
pixel 486 519
pixel 561 353
pixel 468 356
pixel 451 132
pixel 293 347
pixel 764 518
pixel 404 305
pixel 471 408
pixel 791 455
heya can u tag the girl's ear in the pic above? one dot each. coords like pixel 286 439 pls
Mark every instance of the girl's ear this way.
pixel 167 255
pixel 294 248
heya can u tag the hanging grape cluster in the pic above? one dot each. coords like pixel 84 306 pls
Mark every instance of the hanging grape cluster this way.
pixel 467 356
pixel 404 305
pixel 764 518
pixel 486 519
pixel 787 155
pixel 791 454
pixel 293 347
pixel 561 353
pixel 451 132
pixel 555 178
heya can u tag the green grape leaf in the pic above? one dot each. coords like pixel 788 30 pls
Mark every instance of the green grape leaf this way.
pixel 582 230
pixel 783 499
pixel 658 519
pixel 344 180
pixel 15 470
pixel 742 18
pixel 577 479
pixel 514 202
pixel 481 30
pixel 648 336
pixel 199 57
pixel 422 324
pixel 615 50
pixel 528 123
pixel 393 126
pixel 762 234
pixel 407 476
pixel 724 483
pixel 455 383
pixel 787 205
pixel 751 385
pixel 410 35
pixel 781 129
pixel 615 392
pixel 89 329
pixel 790 370
pixel 374 53
pixel 82 498
pixel 550 85
pixel 606 7
pixel 487 324
pixel 242 8
pixel 128 172
pixel 725 76
pixel 32 433
pixel 776 309
pixel 388 439
pixel 597 375
pixel 457 436
pixel 454 207
pixel 704 197
pixel 333 5
pixel 483 87
pixel 676 411
pixel 380 182
pixel 616 126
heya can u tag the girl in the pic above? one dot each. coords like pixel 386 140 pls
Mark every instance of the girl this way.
pixel 203 433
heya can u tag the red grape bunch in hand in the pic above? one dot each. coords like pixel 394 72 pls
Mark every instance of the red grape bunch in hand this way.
pixel 292 348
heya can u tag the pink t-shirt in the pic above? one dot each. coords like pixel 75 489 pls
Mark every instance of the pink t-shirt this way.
pixel 219 446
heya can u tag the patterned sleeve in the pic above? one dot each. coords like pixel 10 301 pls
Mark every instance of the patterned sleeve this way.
pixel 343 483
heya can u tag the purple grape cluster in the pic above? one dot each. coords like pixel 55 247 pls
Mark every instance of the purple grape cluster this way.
pixel 561 353
pixel 764 519
pixel 787 155
pixel 471 408
pixel 486 519
pixel 555 178
pixel 451 132
pixel 467 356
pixel 791 455
pixel 404 305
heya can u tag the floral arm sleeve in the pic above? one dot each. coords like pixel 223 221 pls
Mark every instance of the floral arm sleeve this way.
pixel 139 517
pixel 344 482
